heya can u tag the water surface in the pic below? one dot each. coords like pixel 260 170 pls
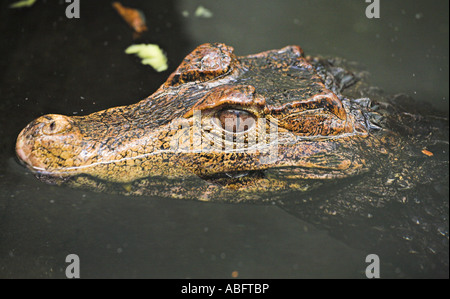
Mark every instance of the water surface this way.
pixel 51 64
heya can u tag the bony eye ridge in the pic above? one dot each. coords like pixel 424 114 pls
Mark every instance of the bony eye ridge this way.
pixel 235 120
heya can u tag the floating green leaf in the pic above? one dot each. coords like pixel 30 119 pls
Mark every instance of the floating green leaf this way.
pixel 202 12
pixel 23 3
pixel 150 54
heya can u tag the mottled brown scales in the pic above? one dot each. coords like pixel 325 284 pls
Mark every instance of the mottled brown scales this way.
pixel 150 147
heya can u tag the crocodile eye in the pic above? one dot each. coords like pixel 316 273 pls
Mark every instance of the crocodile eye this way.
pixel 234 120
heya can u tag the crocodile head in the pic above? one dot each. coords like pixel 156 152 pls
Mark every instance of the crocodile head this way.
pixel 267 122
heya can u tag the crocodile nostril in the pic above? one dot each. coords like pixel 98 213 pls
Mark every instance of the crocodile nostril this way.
pixel 56 124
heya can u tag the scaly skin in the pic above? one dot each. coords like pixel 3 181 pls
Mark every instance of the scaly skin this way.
pixel 303 132
pixel 316 122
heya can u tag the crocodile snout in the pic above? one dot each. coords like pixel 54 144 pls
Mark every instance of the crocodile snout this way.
pixel 51 129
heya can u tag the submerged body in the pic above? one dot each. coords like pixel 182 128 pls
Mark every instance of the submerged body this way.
pixel 307 133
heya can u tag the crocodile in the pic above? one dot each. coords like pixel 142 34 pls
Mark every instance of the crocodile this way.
pixel 307 133
pixel 263 122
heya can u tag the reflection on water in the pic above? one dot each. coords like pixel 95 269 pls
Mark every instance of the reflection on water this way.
pixel 53 65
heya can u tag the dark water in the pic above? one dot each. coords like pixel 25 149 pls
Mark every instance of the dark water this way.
pixel 51 64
